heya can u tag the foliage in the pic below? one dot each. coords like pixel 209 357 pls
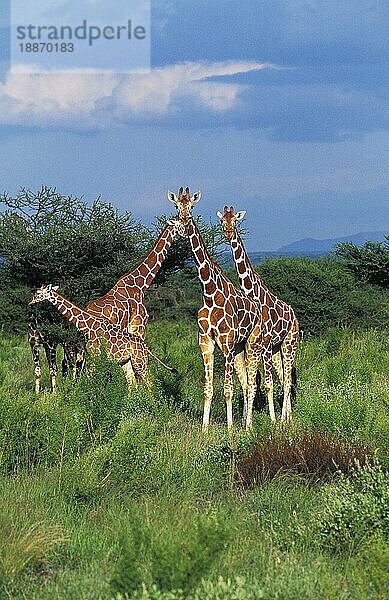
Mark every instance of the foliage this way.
pixel 101 393
pixel 175 557
pixel 177 298
pixel 46 237
pixel 144 505
pixel 313 455
pixel 369 263
pixel 43 432
pixel 343 387
pixel 22 548
pixel 324 294
pixel 317 289
pixel 50 238
pixel 355 509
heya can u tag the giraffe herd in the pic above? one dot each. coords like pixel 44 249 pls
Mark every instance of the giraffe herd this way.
pixel 250 325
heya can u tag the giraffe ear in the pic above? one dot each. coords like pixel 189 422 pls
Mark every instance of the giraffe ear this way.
pixel 172 222
pixel 219 214
pixel 55 287
pixel 196 197
pixel 239 215
pixel 172 197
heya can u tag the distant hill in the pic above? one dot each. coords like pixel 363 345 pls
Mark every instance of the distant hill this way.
pixel 312 246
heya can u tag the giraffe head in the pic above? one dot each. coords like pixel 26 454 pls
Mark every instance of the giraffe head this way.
pixel 178 226
pixel 45 292
pixel 228 220
pixel 184 203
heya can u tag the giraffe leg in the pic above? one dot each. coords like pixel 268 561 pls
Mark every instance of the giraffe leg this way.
pixel 37 365
pixel 64 367
pixel 207 348
pixel 140 362
pixel 51 355
pixel 79 360
pixel 268 379
pixel 33 340
pixel 229 387
pixel 129 374
pixel 74 357
pixel 241 371
pixel 147 381
pixel 252 369
pixel 289 349
pixel 278 366
pixel 67 359
pixel 253 356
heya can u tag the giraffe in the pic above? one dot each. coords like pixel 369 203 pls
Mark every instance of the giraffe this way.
pixel 123 305
pixel 128 350
pixel 227 317
pixel 74 353
pixel 184 204
pixel 280 326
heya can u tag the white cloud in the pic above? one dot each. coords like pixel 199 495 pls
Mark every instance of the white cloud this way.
pixel 86 100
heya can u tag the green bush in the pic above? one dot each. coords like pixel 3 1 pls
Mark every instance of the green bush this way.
pixel 324 294
pixel 369 263
pixel 101 393
pixel 356 509
pixel 37 431
pixel 317 289
pixel 173 557
pixel 229 588
pixel 149 455
pixel 343 387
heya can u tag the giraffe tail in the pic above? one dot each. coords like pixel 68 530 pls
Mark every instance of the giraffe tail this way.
pixel 172 369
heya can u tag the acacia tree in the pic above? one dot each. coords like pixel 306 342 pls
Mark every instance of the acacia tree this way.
pixel 49 238
pixel 368 263
pixel 46 237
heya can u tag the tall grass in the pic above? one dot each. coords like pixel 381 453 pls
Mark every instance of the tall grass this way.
pixel 109 494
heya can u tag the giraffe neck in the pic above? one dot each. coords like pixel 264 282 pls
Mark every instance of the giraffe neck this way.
pixel 144 274
pixel 249 280
pixel 82 320
pixel 209 272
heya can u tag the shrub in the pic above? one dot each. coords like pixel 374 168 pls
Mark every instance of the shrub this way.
pixel 369 263
pixel 86 478
pixel 356 508
pixel 324 293
pixel 229 588
pixel 312 455
pixel 174 557
pixel 37 431
pixel 101 393
pixel 317 289
pixel 146 456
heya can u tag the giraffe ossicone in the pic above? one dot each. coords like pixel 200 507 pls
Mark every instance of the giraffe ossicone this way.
pixel 184 203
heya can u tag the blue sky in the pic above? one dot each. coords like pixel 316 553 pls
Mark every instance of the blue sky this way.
pixel 279 108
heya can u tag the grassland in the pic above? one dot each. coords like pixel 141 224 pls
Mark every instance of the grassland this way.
pixel 110 495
